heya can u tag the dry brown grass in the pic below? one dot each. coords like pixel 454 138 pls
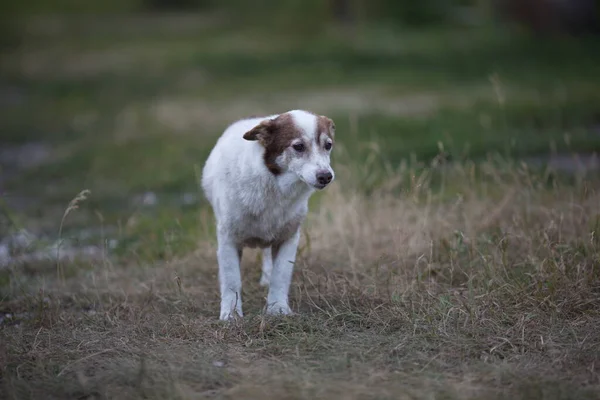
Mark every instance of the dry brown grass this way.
pixel 486 288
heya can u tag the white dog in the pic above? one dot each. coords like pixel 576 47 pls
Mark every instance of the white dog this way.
pixel 258 179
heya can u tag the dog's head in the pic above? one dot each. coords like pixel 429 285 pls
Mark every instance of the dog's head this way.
pixel 298 142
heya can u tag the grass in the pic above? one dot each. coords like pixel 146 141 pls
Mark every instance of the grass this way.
pixel 485 296
pixel 436 266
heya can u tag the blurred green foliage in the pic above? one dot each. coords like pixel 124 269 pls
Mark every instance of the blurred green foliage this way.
pixel 306 17
pixel 312 16
pixel 301 12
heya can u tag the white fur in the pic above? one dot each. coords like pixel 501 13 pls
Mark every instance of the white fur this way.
pixel 251 202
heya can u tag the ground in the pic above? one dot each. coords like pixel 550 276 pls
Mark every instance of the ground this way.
pixel 445 262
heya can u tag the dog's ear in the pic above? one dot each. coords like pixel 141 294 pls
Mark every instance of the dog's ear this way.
pixel 260 132
pixel 330 125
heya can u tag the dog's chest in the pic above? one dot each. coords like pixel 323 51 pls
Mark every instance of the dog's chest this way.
pixel 265 220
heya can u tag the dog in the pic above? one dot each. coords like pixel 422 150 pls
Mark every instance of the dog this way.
pixel 258 179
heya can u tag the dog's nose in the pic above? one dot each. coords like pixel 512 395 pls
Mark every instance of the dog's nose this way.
pixel 324 177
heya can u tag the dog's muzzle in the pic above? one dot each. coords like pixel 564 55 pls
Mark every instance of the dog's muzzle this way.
pixel 323 179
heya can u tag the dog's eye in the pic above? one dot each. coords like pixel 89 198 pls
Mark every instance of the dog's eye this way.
pixel 328 146
pixel 299 147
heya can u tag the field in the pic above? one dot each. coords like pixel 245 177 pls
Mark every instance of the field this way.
pixel 456 256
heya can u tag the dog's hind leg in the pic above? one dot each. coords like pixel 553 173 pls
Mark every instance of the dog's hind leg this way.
pixel 267 267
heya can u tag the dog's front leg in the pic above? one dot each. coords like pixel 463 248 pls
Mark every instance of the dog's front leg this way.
pixel 284 257
pixel 230 279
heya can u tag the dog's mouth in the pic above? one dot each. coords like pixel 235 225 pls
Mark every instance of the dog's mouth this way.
pixel 320 186
pixel 315 185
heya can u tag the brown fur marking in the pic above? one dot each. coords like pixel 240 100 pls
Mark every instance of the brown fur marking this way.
pixel 325 126
pixel 275 135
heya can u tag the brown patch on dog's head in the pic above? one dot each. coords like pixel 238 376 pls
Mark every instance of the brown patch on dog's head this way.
pixel 275 135
pixel 325 126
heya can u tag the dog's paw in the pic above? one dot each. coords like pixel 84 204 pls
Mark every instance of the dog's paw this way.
pixel 230 315
pixel 279 309
pixel 231 306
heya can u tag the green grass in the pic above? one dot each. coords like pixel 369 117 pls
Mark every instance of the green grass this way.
pixel 520 129
pixel 437 266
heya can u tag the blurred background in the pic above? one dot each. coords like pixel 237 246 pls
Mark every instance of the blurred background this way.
pixel 125 98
